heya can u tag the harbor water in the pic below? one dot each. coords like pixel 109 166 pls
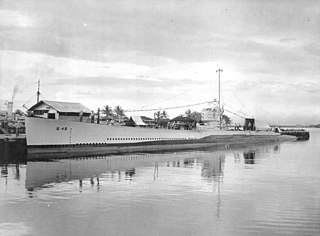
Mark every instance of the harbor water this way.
pixel 271 189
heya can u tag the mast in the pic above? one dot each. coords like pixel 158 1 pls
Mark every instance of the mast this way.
pixel 38 92
pixel 218 71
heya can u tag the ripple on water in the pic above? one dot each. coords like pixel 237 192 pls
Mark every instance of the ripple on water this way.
pixel 15 228
pixel 261 190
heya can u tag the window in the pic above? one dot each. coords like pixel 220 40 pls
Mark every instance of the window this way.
pixel 39 112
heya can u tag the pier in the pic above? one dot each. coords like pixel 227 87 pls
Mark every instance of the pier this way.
pixel 301 134
pixel 13 147
pixel 12 138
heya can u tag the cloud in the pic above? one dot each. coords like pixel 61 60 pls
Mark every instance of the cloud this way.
pixel 9 18
pixel 98 51
pixel 65 67
pixel 285 40
pixel 183 31
pixel 118 82
pixel 82 80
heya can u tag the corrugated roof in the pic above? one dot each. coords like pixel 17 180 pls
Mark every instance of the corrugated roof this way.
pixel 63 106
pixel 138 121
pixel 145 118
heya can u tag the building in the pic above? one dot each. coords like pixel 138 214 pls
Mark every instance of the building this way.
pixel 138 121
pixel 148 121
pixel 3 115
pixel 3 122
pixel 181 122
pixel 61 111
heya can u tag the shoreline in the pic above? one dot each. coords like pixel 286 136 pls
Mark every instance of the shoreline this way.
pixel 12 137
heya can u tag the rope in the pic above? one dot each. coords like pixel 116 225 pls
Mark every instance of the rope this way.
pixel 190 105
pixel 237 111
pixel 184 91
pixel 235 114
pixel 168 108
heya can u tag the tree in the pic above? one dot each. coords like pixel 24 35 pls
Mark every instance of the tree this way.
pixel 107 110
pixel 196 116
pixel 226 119
pixel 119 111
pixel 164 115
pixel 160 117
pixel 188 113
pixel 193 115
pixel 157 117
pixel 19 112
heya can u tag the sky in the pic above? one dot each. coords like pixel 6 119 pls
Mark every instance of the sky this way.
pixel 159 54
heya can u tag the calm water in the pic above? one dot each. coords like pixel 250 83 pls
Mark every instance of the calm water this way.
pixel 258 190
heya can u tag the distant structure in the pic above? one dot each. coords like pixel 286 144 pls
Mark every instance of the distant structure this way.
pixel 211 116
pixel 10 110
pixel 10 122
pixel 148 121
pixel 181 122
pixel 61 111
pixel 138 121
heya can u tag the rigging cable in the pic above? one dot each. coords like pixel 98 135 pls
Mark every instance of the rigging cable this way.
pixel 234 113
pixel 168 108
pixel 176 95
pixel 176 107
pixel 238 111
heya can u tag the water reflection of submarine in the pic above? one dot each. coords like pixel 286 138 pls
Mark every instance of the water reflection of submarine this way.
pixel 249 157
pixel 41 173
pixel 213 168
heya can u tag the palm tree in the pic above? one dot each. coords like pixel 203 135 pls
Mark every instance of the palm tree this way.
pixel 188 113
pixel 107 110
pixel 164 115
pixel 157 117
pixel 160 118
pixel 119 111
